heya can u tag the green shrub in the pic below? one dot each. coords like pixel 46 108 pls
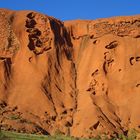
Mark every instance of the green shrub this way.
pixel 14 117
pixel 132 135
pixel 5 135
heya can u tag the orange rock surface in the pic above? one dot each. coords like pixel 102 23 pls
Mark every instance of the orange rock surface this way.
pixel 80 77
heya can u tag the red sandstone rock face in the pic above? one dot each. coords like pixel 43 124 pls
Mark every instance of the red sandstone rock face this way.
pixel 78 77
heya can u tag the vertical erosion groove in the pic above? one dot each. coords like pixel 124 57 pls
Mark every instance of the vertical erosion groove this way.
pixel 62 52
pixel 7 66
pixel 47 84
pixel 83 45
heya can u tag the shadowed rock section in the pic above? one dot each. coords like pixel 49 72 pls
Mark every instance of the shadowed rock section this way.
pixel 80 78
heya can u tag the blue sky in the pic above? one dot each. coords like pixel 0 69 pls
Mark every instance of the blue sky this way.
pixel 76 9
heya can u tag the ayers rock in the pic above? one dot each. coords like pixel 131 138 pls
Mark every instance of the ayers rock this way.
pixel 81 78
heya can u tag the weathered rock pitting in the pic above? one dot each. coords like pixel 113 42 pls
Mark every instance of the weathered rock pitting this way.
pixel 77 77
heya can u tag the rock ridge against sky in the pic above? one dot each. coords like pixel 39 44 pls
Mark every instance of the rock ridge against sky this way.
pixel 80 77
